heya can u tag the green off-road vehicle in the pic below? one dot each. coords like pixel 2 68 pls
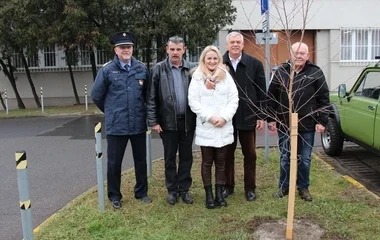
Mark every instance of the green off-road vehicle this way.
pixel 355 115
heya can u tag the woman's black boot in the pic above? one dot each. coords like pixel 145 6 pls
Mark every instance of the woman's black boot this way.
pixel 219 199
pixel 210 204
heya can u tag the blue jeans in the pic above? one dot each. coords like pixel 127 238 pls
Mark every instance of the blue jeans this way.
pixel 305 147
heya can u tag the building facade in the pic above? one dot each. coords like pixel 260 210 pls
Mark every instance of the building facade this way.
pixel 343 37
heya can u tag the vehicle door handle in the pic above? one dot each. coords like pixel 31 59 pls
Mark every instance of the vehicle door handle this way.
pixel 370 107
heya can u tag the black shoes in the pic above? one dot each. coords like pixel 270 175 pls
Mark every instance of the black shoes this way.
pixel 116 204
pixel 145 199
pixel 305 195
pixel 172 198
pixel 186 198
pixel 250 196
pixel 227 193
pixel 280 193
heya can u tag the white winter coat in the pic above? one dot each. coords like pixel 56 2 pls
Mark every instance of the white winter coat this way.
pixel 205 103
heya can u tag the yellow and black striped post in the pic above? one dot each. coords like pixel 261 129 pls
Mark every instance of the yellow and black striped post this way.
pixel 99 164
pixel 85 97
pixel 23 189
pixel 42 100
pixel 6 100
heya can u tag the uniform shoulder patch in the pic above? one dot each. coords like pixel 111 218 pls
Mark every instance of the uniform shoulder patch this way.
pixel 107 63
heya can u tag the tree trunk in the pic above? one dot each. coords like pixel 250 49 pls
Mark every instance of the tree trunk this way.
pixel 12 80
pixel 72 78
pixel 93 63
pixel 30 80
pixel 2 100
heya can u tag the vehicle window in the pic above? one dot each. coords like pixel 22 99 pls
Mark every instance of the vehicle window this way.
pixel 370 86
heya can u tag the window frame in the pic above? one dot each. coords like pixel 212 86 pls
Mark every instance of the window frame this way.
pixel 354 46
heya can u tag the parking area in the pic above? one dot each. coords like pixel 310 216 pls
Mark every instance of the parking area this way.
pixel 358 163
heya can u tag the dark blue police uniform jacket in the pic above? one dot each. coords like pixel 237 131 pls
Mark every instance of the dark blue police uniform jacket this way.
pixel 121 96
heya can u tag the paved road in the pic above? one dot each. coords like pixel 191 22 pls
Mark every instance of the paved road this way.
pixel 61 165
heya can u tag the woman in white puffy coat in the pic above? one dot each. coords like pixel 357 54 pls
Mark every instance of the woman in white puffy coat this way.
pixel 213 97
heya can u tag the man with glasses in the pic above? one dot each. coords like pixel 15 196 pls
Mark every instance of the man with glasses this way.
pixel 119 92
pixel 169 115
pixel 310 97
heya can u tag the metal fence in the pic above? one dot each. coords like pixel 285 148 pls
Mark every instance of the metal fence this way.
pixel 54 58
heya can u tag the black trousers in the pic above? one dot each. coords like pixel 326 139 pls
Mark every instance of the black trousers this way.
pixel 178 181
pixel 248 147
pixel 115 153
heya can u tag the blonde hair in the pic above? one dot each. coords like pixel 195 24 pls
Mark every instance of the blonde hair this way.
pixel 219 73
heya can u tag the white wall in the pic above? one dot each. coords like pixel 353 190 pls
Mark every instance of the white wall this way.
pixel 322 54
pixel 57 88
pixel 323 14
pixel 222 40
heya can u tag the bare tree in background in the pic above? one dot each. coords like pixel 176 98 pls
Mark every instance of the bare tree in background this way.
pixel 290 34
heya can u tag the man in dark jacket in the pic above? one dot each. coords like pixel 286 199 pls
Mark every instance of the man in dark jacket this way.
pixel 119 92
pixel 310 96
pixel 249 76
pixel 171 117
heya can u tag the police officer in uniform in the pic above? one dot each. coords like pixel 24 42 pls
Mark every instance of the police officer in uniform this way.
pixel 119 92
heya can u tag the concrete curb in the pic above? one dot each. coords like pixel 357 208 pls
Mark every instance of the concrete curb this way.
pixel 47 115
pixel 346 177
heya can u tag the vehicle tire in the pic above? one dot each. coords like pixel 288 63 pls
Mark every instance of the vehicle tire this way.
pixel 332 140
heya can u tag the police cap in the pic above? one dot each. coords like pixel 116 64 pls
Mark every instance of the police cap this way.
pixel 123 38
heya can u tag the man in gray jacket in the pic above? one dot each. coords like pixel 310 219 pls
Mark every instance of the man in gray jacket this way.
pixel 169 115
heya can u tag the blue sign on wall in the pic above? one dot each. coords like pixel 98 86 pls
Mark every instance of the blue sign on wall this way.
pixel 264 6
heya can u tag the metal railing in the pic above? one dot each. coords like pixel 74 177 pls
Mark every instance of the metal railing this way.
pixel 54 59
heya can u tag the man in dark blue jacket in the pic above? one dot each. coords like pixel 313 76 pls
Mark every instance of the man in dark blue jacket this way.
pixel 119 92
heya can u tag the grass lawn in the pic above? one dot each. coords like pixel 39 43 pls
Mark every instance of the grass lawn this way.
pixel 50 111
pixel 344 211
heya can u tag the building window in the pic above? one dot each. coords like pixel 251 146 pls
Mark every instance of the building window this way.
pixel 103 56
pixel 32 60
pixel 84 56
pixel 359 45
pixel 49 56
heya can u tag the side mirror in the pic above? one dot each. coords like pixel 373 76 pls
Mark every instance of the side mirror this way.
pixel 342 91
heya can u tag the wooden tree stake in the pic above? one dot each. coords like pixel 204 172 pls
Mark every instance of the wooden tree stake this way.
pixel 293 174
